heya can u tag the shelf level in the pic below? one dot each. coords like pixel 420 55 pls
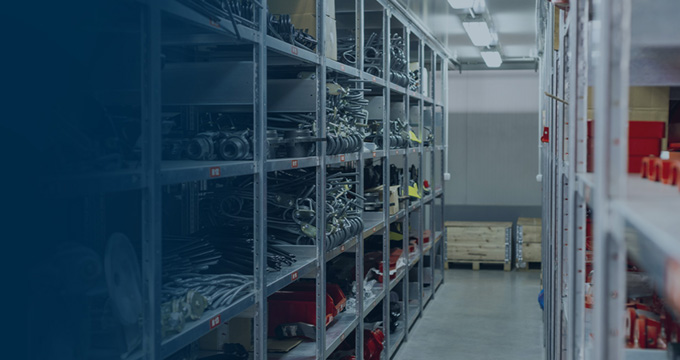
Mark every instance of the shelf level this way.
pixel 306 262
pixel 179 171
pixel 373 222
pixel 651 212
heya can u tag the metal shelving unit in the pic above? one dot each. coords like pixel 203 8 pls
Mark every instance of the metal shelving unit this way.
pixel 168 24
pixel 634 218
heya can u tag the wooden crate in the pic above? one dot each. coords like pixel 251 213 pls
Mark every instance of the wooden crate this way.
pixel 476 241
pixel 528 241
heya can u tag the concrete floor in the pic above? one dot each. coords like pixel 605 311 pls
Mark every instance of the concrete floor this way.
pixel 487 314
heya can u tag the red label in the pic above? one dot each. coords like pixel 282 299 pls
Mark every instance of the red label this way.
pixel 294 276
pixel 374 79
pixel 375 229
pixel 214 322
pixel 342 248
pixel 214 172
pixel 374 154
pixel 342 158
pixel 673 283
pixel 294 163
pixel 342 67
pixel 293 50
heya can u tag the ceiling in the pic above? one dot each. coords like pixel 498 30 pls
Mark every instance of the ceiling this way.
pixel 514 21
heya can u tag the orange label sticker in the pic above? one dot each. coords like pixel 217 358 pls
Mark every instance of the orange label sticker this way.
pixel 672 281
pixel 374 154
pixel 374 79
pixel 214 172
pixel 214 322
pixel 342 67
pixel 293 50
pixel 342 248
pixel 294 163
pixel 294 276
pixel 342 158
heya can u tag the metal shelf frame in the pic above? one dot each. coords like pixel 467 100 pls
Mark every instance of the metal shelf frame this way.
pixel 154 174
pixel 635 218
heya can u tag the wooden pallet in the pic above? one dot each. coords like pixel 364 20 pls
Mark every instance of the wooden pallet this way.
pixel 476 265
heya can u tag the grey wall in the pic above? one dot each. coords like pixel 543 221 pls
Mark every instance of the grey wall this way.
pixel 493 146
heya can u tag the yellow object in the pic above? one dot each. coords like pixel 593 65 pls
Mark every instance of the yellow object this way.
pixel 396 236
pixel 413 191
pixel 414 137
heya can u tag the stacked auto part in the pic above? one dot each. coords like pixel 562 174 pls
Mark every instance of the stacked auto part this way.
pixel 346 116
pixel 399 135
pixel 215 139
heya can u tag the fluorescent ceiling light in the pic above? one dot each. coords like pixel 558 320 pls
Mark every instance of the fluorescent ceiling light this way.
pixel 479 32
pixel 462 4
pixel 492 58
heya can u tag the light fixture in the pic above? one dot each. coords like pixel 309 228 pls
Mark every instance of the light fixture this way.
pixel 479 32
pixel 492 58
pixel 461 4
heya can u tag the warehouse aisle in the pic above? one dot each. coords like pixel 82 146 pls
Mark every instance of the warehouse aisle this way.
pixel 485 314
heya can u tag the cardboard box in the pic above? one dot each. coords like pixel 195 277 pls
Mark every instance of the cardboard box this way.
pixel 394 197
pixel 307 23
pixel 291 7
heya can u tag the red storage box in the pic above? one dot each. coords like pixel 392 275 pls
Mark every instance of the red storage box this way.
pixel 394 257
pixel 635 164
pixel 646 129
pixel 334 290
pixel 638 129
pixel 296 306
pixel 644 147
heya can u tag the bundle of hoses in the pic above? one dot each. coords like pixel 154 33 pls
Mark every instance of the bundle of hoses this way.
pixel 291 210
pixel 373 56
pixel 206 255
pixel 344 219
pixel 282 28
pixel 346 117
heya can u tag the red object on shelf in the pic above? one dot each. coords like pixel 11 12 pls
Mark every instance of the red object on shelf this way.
pixel 646 129
pixel 546 135
pixel 644 147
pixel 658 169
pixel 394 257
pixel 674 176
pixel 644 139
pixel 635 164
pixel 296 306
pixel 333 290
pixel 647 164
pixel 373 344
pixel 674 146
pixel 426 236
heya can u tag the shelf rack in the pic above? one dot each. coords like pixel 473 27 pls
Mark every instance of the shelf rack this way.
pixel 635 218
pixel 173 23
